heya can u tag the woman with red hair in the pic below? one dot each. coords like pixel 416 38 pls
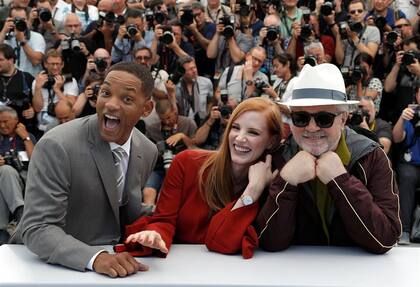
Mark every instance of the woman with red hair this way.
pixel 211 197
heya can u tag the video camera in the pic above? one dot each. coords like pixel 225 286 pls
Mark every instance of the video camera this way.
pixel 229 25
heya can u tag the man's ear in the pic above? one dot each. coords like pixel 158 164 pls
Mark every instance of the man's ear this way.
pixel 148 108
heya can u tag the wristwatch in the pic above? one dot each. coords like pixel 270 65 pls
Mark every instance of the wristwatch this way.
pixel 247 200
pixel 27 139
pixel 249 82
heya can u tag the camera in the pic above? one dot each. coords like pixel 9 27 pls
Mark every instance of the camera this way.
pixel 380 22
pixel 11 158
pixel 272 33
pixel 159 16
pixel 20 24
pixel 131 30
pixel 51 81
pixel 342 29
pixel 352 75
pixel 176 76
pixel 225 110
pixel 44 14
pixel 187 18
pixel 356 27
pixel 95 91
pixel 168 151
pixel 259 86
pixel 244 8
pixel 306 28
pixel 109 18
pixel 311 60
pixel 229 22
pixel 327 8
pixel 167 35
pixel 409 57
pixel 71 43
pixel 358 116
pixel 101 64
pixel 392 37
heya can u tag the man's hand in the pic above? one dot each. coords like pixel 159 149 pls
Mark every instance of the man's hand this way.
pixel 117 265
pixel 263 34
pixel 300 169
pixel 329 166
pixel 8 25
pixel 248 69
pixel 214 115
pixel 59 82
pixel 174 139
pixel 122 31
pixel 41 79
pixel 408 113
pixel 296 30
pixel 20 36
pixel 148 238
pixel 29 113
pixel 21 131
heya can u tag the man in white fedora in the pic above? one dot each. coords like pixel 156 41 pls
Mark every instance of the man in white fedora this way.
pixel 335 187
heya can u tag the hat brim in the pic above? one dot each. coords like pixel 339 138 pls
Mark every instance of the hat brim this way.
pixel 315 102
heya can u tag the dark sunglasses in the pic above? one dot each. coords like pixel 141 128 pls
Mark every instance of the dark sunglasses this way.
pixel 360 11
pixel 402 25
pixel 322 119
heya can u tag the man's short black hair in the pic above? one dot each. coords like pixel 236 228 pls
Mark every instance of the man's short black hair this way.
pixel 8 52
pixel 134 13
pixel 139 71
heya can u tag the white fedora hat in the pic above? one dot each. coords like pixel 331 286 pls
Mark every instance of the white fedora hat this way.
pixel 320 85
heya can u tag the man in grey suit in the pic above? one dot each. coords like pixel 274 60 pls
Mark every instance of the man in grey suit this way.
pixel 79 192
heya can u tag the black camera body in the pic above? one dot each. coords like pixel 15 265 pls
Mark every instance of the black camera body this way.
pixel 306 31
pixel 168 151
pixel 358 116
pixel 259 86
pixel 72 43
pixel 224 109
pixel 11 158
pixel 109 18
pixel 380 22
pixel 352 75
pixel 229 22
pixel 272 33
pixel 44 14
pixel 20 24
pixel 311 60
pixel 356 27
pixel 327 8
pixel 176 76
pixel 131 31
pixel 391 38
pixel 51 81
pixel 167 35
pixel 187 18
pixel 101 64
pixel 409 57
pixel 95 91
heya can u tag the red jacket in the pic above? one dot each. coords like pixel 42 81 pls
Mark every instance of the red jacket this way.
pixel 182 215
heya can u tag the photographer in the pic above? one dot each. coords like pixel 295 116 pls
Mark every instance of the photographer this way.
pixel 98 64
pixel 104 31
pixel 215 10
pixel 41 21
pixel 290 14
pixel 74 48
pixel 209 136
pixel 244 81
pixel 193 92
pixel 383 16
pixel 362 82
pixel 64 111
pixel 29 45
pixel 130 37
pixel 16 88
pixel 14 139
pixel 168 46
pixel 228 45
pixel 51 86
pixel 86 13
pixel 407 131
pixel 270 39
pixel 365 117
pixel 249 23
pixel 86 101
pixel 329 13
pixel 304 35
pixel 401 80
pixel 199 33
pixel 172 134
pixel 354 37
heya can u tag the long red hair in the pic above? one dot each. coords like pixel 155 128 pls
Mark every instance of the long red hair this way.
pixel 215 176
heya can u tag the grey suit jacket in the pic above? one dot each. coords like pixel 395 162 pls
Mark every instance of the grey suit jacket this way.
pixel 71 201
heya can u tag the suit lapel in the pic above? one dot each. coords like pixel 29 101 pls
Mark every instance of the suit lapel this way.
pixel 134 175
pixel 102 155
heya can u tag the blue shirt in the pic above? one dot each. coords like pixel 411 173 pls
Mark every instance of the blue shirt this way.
pixel 390 20
pixel 412 143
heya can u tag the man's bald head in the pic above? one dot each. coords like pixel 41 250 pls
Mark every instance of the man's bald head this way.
pixel 72 24
pixel 105 5
pixel 64 111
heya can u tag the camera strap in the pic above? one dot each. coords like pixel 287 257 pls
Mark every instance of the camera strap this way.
pixel 85 10
pixel 354 48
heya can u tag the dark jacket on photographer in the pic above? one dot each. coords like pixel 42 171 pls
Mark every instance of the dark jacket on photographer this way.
pixel 361 206
pixel 16 93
